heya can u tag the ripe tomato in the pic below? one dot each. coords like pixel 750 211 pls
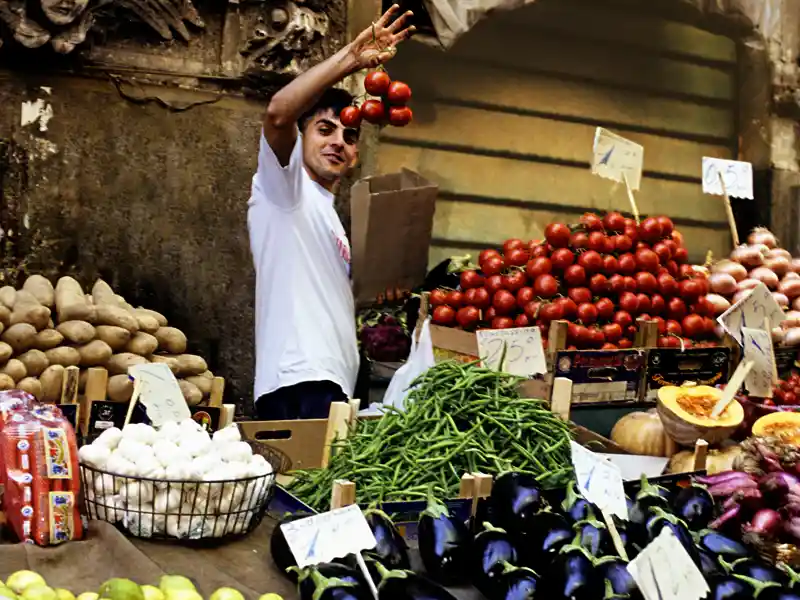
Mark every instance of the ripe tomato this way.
pixel 664 253
pixel 690 289
pixel 557 235
pixel 504 302
pixel 444 315
pixel 591 261
pixel 575 275
pixel 667 285
pixel 629 284
pixel 613 332
pixel 493 265
pixel 477 297
pixel 661 325
pixel 502 323
pixel 562 258
pixel 373 111
pixel 608 346
pixel 539 251
pixel 532 309
pixel 710 325
pixel 454 299
pixel 579 295
pixel 790 398
pixel 666 225
pixel 680 256
pixel 616 284
pixel 605 308
pixel 489 314
pixel 650 230
pixel 495 283
pixel 399 93
pixel 513 244
pixel 624 344
pixel 674 328
pixel 627 264
pixel 677 237
pixel 597 339
pixel 668 341
pixel 568 307
pixel 545 286
pixel 693 326
pixel 685 271
pixel 676 309
pixel 610 264
pixel 629 302
pixel 515 281
pixel 468 316
pixel 592 222
pixel 538 266
pixel 573 332
pixel 657 304
pixel 400 116
pixel 587 313
pixel 632 231
pixel 673 269
pixel 646 282
pixel 597 241
pixel 351 116
pixel 377 83
pixel 522 320
pixel 614 221
pixel 525 295
pixel 598 284
pixel 647 260
pixel 550 312
pixel 623 319
pixel 470 279
pixel 438 297
pixel 644 303
pixel 622 243
pixel 702 307
pixel 485 254
pixel 579 240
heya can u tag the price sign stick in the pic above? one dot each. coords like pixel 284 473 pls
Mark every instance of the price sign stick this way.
pixel 365 572
pixel 634 208
pixel 733 386
pixel 612 529
pixel 768 329
pixel 729 211
pixel 137 389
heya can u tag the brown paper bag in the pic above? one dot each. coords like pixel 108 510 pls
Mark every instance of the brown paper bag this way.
pixel 391 224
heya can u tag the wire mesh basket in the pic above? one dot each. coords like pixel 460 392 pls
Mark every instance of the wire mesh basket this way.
pixel 182 510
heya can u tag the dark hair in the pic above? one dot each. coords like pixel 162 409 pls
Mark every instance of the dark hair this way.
pixel 333 98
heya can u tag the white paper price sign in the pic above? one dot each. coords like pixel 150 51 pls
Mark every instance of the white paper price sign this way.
pixel 323 537
pixel 681 580
pixel 757 347
pixel 737 175
pixel 613 155
pixel 599 481
pixel 751 311
pixel 160 393
pixel 524 354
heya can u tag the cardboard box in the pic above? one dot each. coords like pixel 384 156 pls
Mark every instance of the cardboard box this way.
pixel 392 222
pixel 670 366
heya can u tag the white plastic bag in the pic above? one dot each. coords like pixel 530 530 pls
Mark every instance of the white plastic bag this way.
pixel 420 359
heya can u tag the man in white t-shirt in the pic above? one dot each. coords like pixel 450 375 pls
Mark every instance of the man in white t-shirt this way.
pixel 306 350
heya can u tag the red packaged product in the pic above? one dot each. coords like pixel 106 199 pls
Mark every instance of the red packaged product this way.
pixel 10 402
pixel 42 478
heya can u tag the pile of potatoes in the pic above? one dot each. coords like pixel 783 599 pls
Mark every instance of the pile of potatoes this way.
pixel 44 329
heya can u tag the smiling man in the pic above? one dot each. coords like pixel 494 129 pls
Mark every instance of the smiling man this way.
pixel 306 351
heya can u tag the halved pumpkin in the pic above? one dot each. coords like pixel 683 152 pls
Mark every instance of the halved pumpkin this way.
pixel 685 412
pixel 783 425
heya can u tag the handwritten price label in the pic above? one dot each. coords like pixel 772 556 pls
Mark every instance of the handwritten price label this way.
pixel 160 393
pixel 613 155
pixel 524 354
pixel 333 534
pixel 599 481
pixel 681 581
pixel 737 175
pixel 758 348
pixel 751 311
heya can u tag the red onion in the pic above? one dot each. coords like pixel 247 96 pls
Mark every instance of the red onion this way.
pixel 748 256
pixel 791 276
pixel 778 264
pixel 748 284
pixel 792 528
pixel 766 522
pixel 780 482
pixel 731 486
pixel 766 276
pixel 781 299
pixel 762 235
pixel 775 252
pixel 723 476
pixel 729 515
pixel 740 295
pixel 750 497
pixel 728 267
pixel 722 283
pixel 790 287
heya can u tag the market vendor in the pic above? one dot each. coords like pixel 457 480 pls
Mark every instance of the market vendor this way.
pixel 306 350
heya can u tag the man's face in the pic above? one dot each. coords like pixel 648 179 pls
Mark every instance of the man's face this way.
pixel 330 150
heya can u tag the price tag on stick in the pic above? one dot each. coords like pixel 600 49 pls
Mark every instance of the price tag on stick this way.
pixel 751 311
pixel 520 350
pixel 599 481
pixel 617 158
pixel 160 393
pixel 758 349
pixel 727 177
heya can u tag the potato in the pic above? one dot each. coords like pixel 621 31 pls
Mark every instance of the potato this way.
pixel 6 382
pixel 52 379
pixel 207 374
pixel 27 309
pixel 7 296
pixel 161 319
pixel 120 388
pixel 122 304
pixel 147 323
pixel 103 294
pixel 77 332
pixel 20 337
pixel 108 314
pixel 71 303
pixel 47 339
pixel 15 369
pixel 6 352
pixel 203 383
pixel 95 354
pixel 64 356
pixel 171 340
pixel 5 315
pixel 114 336
pixel 42 290
pixel 191 393
pixel 170 361
pixel 31 385
pixel 189 364
pixel 142 344
pixel 35 362
pixel 89 299
pixel 119 363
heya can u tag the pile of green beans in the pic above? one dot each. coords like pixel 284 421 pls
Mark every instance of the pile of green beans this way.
pixel 459 419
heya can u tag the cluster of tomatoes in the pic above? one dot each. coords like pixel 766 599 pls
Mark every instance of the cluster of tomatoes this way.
pixel 389 108
pixel 786 392
pixel 601 275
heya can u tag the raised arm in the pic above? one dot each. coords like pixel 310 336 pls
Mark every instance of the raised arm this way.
pixel 374 46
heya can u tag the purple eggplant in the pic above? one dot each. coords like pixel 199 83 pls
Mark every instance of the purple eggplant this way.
pixel 330 571
pixel 729 588
pixel 722 546
pixel 516 583
pixel 694 506
pixel 406 585
pixel 572 576
pixel 651 495
pixel 331 588
pixel 664 520
pixel 546 533
pixel 576 507
pixel 709 564
pixel 515 498
pixel 391 550
pixel 756 570
pixel 490 550
pixel 443 544
pixel 615 571
pixel 594 537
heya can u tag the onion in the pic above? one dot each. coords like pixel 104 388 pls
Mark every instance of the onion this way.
pixel 790 287
pixel 748 256
pixel 779 252
pixel 791 276
pixel 792 319
pixel 792 337
pixel 766 522
pixel 734 269
pixel 748 284
pixel 795 265
pixel 781 299
pixel 778 335
pixel 778 264
pixel 722 283
pixel 739 296
pixel 765 276
pixel 796 304
pixel 762 235
pixel 719 303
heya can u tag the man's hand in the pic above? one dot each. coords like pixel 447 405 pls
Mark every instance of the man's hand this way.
pixel 377 44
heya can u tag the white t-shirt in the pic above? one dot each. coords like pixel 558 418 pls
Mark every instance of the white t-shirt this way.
pixel 305 314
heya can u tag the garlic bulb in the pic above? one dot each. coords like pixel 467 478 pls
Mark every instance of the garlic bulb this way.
pixel 110 438
pixel 94 455
pixel 230 433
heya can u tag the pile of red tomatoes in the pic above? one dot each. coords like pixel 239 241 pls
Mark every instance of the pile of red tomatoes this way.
pixel 389 107
pixel 601 275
